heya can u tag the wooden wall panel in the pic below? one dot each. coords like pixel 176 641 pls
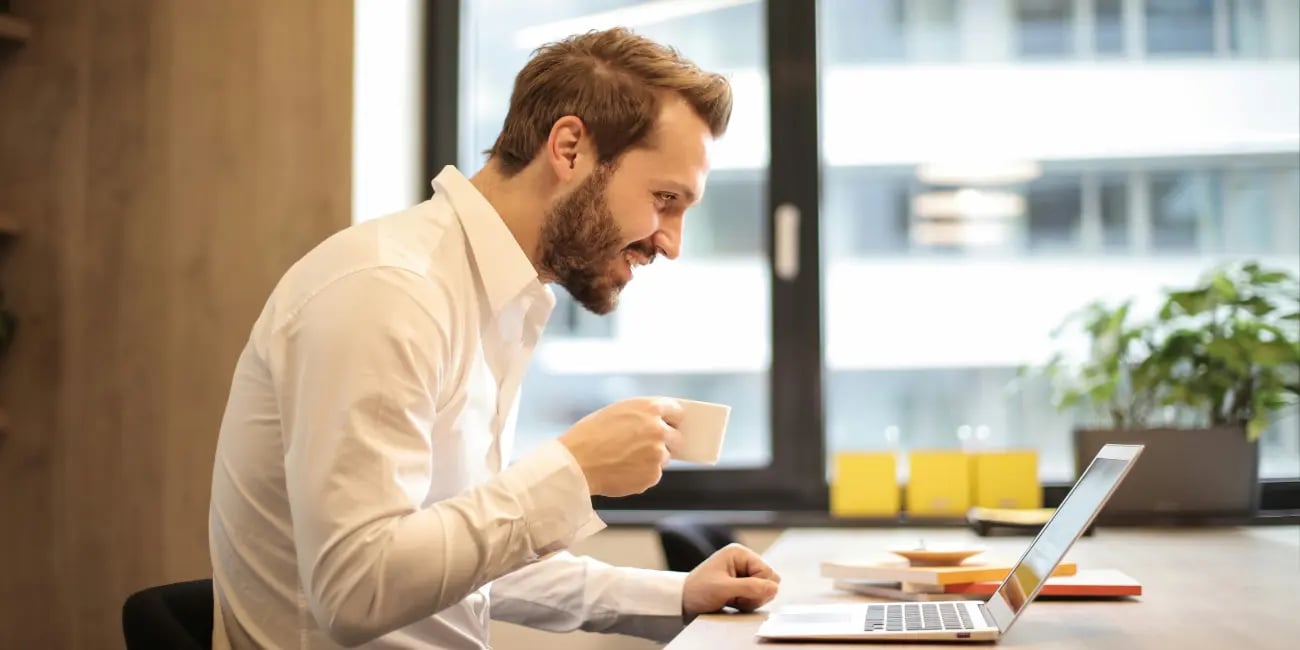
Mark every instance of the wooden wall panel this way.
pixel 168 161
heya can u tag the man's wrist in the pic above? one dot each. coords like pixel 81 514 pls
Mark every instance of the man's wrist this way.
pixel 592 488
pixel 550 486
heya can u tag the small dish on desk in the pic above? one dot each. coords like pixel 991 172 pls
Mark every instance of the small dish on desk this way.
pixel 937 555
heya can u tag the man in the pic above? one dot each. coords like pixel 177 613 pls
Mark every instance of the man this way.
pixel 360 494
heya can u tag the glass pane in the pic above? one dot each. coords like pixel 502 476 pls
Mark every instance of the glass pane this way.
pixel 870 31
pixel 1055 212
pixel 1108 17
pixel 1180 26
pixel 1184 206
pixel 1114 211
pixel 968 208
pixel 1045 27
pixel 1248 35
pixel 697 327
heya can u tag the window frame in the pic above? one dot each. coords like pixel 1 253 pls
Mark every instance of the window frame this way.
pixel 795 480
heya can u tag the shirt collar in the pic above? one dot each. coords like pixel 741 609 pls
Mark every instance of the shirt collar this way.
pixel 502 264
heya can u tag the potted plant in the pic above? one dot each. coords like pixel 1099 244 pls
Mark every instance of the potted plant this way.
pixel 1196 383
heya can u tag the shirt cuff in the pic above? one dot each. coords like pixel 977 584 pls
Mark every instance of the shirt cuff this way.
pixel 651 593
pixel 651 603
pixel 555 496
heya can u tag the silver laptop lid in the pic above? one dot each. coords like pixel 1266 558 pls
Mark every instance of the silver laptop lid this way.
pixel 1071 518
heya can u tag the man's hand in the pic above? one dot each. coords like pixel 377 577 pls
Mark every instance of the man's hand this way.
pixel 733 577
pixel 623 448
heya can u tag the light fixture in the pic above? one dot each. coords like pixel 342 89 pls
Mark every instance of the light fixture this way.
pixel 978 172
pixel 968 203
pixel 961 233
pixel 638 15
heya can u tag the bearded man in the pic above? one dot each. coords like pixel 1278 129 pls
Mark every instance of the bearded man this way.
pixel 360 493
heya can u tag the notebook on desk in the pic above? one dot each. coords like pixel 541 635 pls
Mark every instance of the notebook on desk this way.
pixel 968 620
pixel 1088 583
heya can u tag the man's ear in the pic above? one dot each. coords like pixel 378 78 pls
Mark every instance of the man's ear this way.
pixel 568 148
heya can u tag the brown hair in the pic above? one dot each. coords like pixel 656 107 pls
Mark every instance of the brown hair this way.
pixel 612 80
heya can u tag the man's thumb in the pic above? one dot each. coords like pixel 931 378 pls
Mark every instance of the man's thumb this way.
pixel 754 589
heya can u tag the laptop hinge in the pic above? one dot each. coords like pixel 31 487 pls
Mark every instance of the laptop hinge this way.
pixel 988 618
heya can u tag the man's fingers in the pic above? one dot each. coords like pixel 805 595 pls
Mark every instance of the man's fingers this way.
pixel 745 562
pixel 751 593
pixel 670 410
pixel 673 439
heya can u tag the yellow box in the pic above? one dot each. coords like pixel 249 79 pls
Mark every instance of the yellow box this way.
pixel 939 483
pixel 1007 479
pixel 865 484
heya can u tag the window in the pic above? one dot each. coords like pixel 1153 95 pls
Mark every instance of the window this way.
pixel 1019 208
pixel 1108 17
pixel 1045 27
pixel 588 361
pixel 1180 26
pixel 1055 213
pixel 702 327
pixel 950 213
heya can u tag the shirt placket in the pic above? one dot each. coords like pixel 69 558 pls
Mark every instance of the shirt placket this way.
pixel 523 334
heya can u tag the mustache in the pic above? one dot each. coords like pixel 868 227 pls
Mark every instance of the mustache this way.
pixel 645 248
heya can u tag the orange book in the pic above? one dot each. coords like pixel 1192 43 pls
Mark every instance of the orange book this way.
pixel 931 575
pixel 1093 583
pixel 1090 582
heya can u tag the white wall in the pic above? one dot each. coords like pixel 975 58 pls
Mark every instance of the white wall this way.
pixel 914 114
pixel 950 312
pixel 388 107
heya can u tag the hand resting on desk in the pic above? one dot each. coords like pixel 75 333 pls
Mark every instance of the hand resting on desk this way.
pixel 735 577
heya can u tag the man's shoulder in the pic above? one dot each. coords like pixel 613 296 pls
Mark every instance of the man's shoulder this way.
pixel 414 254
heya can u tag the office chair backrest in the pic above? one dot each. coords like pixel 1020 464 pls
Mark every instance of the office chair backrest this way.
pixel 687 541
pixel 177 616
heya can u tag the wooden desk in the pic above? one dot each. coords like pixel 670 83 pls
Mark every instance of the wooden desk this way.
pixel 1221 588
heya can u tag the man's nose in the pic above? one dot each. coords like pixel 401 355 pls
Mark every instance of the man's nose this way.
pixel 669 239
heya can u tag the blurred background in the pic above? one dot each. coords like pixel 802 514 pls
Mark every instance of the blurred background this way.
pixel 1094 149
pixel 912 196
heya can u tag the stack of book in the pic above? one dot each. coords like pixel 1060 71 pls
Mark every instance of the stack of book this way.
pixel 969 580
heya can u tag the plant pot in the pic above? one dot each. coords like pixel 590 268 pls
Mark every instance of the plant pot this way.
pixel 1183 474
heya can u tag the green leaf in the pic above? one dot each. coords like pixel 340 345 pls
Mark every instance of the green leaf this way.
pixel 1257 305
pixel 1223 287
pixel 1271 277
pixel 1272 401
pixel 1068 400
pixel 1191 302
pixel 1255 427
pixel 1274 353
pixel 1167 310
pixel 1229 353
pixel 1295 315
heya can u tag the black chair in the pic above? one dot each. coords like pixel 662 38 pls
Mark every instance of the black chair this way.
pixel 177 616
pixel 687 541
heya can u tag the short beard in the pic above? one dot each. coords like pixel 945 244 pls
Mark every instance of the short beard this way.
pixel 580 241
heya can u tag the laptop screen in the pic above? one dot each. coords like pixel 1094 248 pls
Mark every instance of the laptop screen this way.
pixel 1071 518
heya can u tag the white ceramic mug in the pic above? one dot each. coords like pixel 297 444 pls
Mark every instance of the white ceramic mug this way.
pixel 703 428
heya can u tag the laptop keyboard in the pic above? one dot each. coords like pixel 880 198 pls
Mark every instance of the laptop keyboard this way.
pixel 917 617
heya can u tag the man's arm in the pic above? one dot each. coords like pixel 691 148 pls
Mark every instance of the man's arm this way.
pixel 358 371
pixel 565 593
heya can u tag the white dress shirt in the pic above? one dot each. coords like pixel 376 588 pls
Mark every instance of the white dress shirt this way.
pixel 358 492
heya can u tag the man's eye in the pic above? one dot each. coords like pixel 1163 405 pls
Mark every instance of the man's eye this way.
pixel 665 197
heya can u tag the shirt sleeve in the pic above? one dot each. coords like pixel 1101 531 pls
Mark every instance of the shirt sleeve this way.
pixel 358 370
pixel 565 593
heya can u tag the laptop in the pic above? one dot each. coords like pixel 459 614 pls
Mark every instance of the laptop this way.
pixel 967 620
